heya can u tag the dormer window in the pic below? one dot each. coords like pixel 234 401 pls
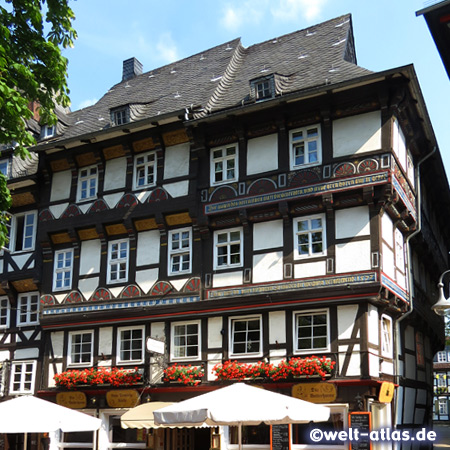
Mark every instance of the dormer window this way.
pixel 263 88
pixel 48 131
pixel 120 116
pixel 5 167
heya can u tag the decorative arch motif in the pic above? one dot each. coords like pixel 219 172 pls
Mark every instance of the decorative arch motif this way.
pixel 48 300
pixel 73 297
pixel 45 215
pixel 261 186
pixel 344 169
pixel 98 206
pixel 157 195
pixel 71 211
pixel 161 288
pixel 127 201
pixel 101 294
pixel 131 291
pixel 304 177
pixel 193 285
pixel 367 165
pixel 223 193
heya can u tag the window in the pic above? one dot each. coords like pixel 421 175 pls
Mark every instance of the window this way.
pixel 399 250
pixel 386 336
pixel 48 131
pixel 309 237
pixel 120 116
pixel 185 340
pixel 441 356
pixel 224 164
pixel 22 377
pixel 87 183
pixel 28 309
pixel 4 167
pixel 62 273
pixel 228 248
pixel 21 232
pixel 441 380
pixel 80 348
pixel 130 344
pixel 5 310
pixel 443 406
pixel 118 255
pixel 145 170
pixel 246 336
pixel 180 251
pixel 312 331
pixel 305 146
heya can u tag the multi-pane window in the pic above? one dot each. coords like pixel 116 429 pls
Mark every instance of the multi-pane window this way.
pixel 442 356
pixel 228 246
pixel 386 336
pixel 311 330
pixel 81 348
pixel 48 131
pixel 246 336
pixel 118 255
pixel 309 237
pixel 145 170
pixel 5 309
pixel 21 230
pixel 399 250
pixel 263 89
pixel 22 377
pixel 62 273
pixel 224 164
pixel 28 308
pixel 180 251
pixel 185 340
pixel 87 183
pixel 443 406
pixel 4 167
pixel 120 116
pixel 130 343
pixel 441 380
pixel 305 146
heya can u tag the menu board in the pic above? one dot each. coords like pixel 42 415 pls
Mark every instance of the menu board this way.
pixel 280 438
pixel 363 422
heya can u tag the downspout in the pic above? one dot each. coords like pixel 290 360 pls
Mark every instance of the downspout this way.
pixel 410 275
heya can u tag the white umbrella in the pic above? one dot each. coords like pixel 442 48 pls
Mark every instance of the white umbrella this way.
pixel 240 404
pixel 142 416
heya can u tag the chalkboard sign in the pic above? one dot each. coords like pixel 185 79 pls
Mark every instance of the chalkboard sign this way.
pixel 280 437
pixel 363 422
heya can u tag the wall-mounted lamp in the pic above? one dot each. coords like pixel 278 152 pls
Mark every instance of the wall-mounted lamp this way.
pixel 442 305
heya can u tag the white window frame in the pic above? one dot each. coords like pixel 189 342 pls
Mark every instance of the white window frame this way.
pixel 149 166
pixel 63 270
pixel 119 345
pixel 307 154
pixel 28 300
pixel 5 312
pixel 386 336
pixel 179 251
pixel 443 406
pixel 399 250
pixel 312 349
pixel 88 178
pixel 228 243
pixel 28 232
pixel 120 116
pixel 6 161
pixel 114 264
pixel 48 131
pixel 71 353
pixel 231 322
pixel 309 232
pixel 173 345
pixel 225 160
pixel 23 378
pixel 441 357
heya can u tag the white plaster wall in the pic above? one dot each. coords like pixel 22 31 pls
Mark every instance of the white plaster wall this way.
pixel 90 257
pixel 57 210
pixel 387 229
pixel 277 355
pixel 105 340
pixel 354 367
pixel 115 290
pixel 61 184
pixel 112 199
pixel 262 154
pixel 352 222
pixel 176 161
pixel 60 297
pixel 388 261
pixel 268 235
pixel 20 260
pixel 215 325
pixel 52 373
pixel 268 267
pixel 177 189
pixel 179 283
pixel 353 256
pixel 374 365
pixel 357 134
pixel 84 207
pixel 387 368
pixel 410 366
pixel 421 396
pixel 4 354
pixel 26 353
pixel 401 279
pixel 227 279
pixel 147 278
pixel 148 247
pixel 87 287
pixel 410 343
pixel 311 269
pixel 346 320
pixel 277 327
pixel 372 325
pixel 115 174
pixel 210 376
pixel 157 330
pixel 57 338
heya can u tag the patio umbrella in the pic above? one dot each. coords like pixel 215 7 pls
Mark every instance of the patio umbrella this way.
pixel 142 416
pixel 240 404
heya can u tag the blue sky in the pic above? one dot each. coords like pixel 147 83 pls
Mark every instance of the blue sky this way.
pixel 387 35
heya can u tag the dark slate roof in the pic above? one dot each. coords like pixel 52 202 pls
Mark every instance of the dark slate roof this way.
pixel 219 78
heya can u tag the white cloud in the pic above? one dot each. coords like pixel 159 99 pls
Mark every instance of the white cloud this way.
pixel 249 12
pixel 292 10
pixel 87 102
pixel 232 19
pixel 167 48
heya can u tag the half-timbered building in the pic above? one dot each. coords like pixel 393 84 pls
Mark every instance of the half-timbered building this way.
pixel 252 209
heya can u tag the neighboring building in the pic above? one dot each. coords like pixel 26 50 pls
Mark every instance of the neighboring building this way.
pixel 252 205
pixel 441 373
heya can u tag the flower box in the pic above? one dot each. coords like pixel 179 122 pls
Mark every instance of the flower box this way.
pixel 188 375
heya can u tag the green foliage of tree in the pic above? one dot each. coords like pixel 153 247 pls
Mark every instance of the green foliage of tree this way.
pixel 32 68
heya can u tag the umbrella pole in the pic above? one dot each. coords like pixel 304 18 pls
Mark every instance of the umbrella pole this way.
pixel 25 438
pixel 239 435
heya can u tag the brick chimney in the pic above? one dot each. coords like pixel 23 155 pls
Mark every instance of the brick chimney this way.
pixel 131 68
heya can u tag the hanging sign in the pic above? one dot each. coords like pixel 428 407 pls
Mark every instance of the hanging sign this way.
pixel 74 400
pixel 315 392
pixel 386 392
pixel 122 398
